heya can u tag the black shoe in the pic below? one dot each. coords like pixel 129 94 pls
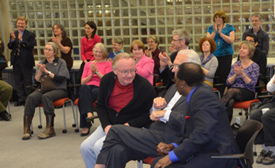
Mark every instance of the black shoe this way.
pixel 5 116
pixel 85 134
pixel 19 104
pixel 91 119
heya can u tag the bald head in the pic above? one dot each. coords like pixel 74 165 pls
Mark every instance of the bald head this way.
pixel 184 56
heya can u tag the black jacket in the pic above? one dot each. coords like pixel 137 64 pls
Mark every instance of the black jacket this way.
pixel 136 113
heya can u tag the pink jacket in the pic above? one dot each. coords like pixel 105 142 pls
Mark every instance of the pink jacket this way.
pixel 145 68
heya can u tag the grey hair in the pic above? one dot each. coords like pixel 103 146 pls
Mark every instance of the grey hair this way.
pixel 192 55
pixel 257 15
pixel 55 48
pixel 182 35
pixel 119 56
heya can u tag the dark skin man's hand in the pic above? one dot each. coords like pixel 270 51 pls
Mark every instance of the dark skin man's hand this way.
pixel 163 162
pixel 164 149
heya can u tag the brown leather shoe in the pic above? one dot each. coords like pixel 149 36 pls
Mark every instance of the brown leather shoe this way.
pixel 27 124
pixel 49 131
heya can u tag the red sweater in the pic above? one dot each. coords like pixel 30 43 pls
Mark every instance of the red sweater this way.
pixel 121 96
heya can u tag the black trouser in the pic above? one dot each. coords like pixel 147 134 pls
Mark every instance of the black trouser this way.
pixel 79 73
pixel 87 95
pixel 222 72
pixel 23 81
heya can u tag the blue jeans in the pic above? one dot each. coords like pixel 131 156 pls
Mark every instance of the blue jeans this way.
pixel 91 147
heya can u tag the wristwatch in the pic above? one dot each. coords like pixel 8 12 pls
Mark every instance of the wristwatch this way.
pixel 96 72
pixel 49 72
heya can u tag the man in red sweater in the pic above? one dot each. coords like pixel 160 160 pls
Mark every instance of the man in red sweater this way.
pixel 124 98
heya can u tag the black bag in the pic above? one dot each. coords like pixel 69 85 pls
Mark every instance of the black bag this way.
pixel 47 84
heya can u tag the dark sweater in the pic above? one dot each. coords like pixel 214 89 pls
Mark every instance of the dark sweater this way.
pixel 136 112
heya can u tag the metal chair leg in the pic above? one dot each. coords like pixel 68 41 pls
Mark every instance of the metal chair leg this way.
pixel 40 120
pixel 64 118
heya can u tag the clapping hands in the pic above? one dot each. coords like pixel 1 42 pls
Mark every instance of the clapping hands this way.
pixel 238 70
pixel 93 68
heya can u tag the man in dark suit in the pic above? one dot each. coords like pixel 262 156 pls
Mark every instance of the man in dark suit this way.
pixel 204 126
pixel 22 43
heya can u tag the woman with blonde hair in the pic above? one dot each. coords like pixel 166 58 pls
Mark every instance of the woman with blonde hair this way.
pixel 242 78
pixel 91 77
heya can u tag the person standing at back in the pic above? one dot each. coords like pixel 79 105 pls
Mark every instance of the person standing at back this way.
pixel 224 36
pixel 21 44
pixel 263 40
pixel 64 43
pixel 87 44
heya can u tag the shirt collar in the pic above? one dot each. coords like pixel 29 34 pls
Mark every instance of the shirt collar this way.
pixel 190 94
pixel 115 53
pixel 55 60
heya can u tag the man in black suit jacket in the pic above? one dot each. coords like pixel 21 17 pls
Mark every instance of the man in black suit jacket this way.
pixel 203 125
pixel 22 43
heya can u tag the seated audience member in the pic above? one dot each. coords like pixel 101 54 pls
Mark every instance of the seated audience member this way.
pixel 242 78
pixel 117 44
pixel 153 52
pixel 5 95
pixel 144 65
pixel 64 43
pixel 172 100
pixel 266 136
pixel 209 62
pixel 259 57
pixel 208 131
pixel 180 41
pixel 124 98
pixel 92 74
pixel 55 69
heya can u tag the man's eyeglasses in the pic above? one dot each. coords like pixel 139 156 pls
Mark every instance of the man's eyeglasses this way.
pixel 125 72
pixel 176 66
pixel 176 40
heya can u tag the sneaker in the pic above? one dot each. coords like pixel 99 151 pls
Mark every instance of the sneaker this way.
pixel 269 158
pixel 5 116
pixel 261 157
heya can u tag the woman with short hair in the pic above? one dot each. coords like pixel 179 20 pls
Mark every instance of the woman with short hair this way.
pixel 54 68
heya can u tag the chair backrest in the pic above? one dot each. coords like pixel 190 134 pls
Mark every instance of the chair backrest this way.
pixel 245 138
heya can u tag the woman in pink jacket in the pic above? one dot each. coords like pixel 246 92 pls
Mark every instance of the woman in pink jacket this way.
pixel 145 65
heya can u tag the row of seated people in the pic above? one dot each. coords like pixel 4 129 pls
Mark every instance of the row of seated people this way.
pixel 140 144
pixel 116 140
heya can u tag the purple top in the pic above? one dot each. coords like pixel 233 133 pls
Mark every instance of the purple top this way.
pixel 252 72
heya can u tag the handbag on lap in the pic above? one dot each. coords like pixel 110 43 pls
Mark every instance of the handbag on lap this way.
pixel 47 84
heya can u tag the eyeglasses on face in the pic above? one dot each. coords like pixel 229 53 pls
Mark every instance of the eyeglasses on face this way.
pixel 125 72
pixel 176 40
